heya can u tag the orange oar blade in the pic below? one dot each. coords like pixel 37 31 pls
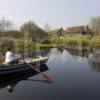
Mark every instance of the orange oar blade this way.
pixel 50 79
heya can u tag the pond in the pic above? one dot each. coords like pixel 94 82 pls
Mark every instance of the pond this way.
pixel 75 77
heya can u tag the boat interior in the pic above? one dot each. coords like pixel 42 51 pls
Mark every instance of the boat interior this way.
pixel 22 61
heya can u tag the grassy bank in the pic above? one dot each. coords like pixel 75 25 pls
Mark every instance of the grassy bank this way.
pixel 77 40
pixel 71 42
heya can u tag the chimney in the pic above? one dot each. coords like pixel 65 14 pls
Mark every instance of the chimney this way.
pixel 87 27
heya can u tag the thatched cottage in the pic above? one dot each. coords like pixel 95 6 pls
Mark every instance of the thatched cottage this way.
pixel 82 30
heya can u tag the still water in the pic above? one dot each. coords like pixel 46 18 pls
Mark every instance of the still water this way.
pixel 75 77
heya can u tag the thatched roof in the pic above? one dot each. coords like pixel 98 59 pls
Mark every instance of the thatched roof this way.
pixel 77 29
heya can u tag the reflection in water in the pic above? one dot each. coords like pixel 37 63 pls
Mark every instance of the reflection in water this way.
pixel 11 81
pixel 40 81
pixel 93 58
pixel 53 54
pixel 79 53
pixel 94 61
pixel 66 56
pixel 41 52
pixel 11 87
pixel 77 56
pixel 61 49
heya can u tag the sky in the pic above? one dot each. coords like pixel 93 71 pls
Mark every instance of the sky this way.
pixel 57 13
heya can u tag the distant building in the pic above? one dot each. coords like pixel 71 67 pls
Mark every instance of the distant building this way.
pixel 82 30
pixel 61 32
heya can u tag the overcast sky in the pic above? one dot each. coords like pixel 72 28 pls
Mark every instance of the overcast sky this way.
pixel 58 13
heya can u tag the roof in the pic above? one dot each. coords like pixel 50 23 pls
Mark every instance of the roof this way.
pixel 61 30
pixel 77 29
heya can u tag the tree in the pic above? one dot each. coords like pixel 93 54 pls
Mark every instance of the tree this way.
pixel 5 24
pixel 95 25
pixel 47 27
pixel 33 31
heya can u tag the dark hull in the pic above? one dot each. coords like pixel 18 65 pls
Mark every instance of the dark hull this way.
pixel 15 78
pixel 21 69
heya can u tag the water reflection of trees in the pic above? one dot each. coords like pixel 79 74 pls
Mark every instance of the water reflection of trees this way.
pixel 60 49
pixel 94 61
pixel 45 51
pixel 95 66
pixel 75 52
pixel 40 52
pixel 79 53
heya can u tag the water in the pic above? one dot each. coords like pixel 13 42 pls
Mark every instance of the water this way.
pixel 75 76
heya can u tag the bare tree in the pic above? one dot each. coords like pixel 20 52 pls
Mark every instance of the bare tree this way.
pixel 5 24
pixel 47 27
pixel 95 25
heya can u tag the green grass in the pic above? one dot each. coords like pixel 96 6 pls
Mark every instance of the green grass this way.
pixel 77 40
pixel 95 41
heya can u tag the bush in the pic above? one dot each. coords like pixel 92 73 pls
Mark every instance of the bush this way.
pixel 5 44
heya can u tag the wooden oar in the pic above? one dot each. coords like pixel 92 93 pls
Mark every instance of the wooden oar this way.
pixel 45 75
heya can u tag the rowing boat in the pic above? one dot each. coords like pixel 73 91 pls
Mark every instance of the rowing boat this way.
pixel 8 70
pixel 11 81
